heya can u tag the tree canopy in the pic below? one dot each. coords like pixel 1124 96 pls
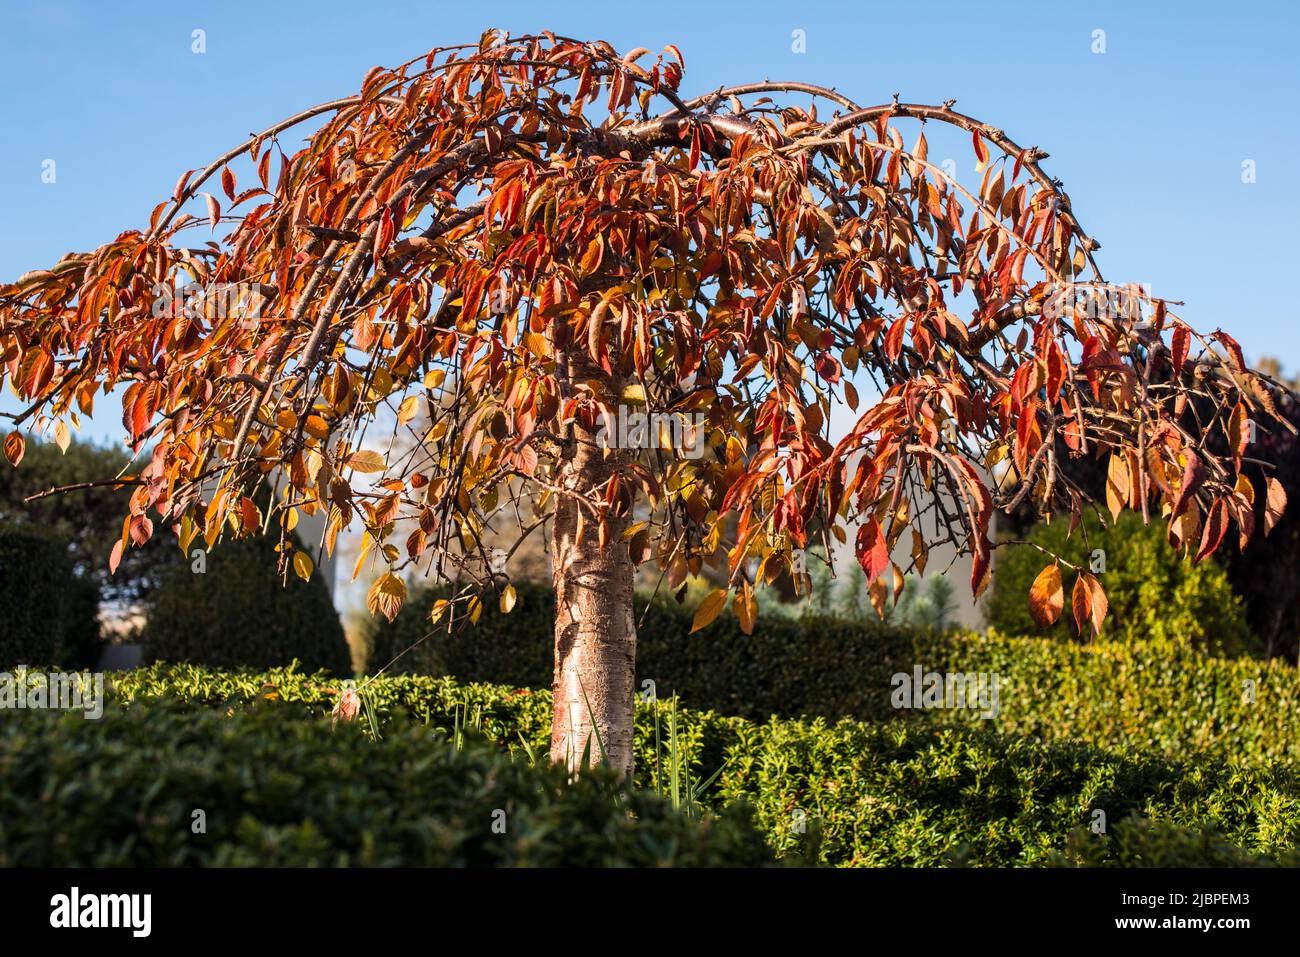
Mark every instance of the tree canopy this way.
pixel 510 240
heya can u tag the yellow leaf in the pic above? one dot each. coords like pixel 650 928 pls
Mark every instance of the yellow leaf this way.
pixel 507 599
pixel 303 565
pixel 709 609
pixel 408 409
pixel 1118 484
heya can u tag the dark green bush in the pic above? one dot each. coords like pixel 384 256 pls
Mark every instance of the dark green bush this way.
pixel 1152 592
pixel 787 668
pixel 280 789
pixel 1138 842
pixel 49 614
pixel 892 794
pixel 238 613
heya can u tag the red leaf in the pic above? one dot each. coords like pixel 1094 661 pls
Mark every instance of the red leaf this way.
pixel 1216 523
pixel 1179 348
pixel 873 550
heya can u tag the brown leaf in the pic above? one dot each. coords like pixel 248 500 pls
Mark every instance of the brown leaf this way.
pixel 386 596
pixel 1274 503
pixel 366 461
pixel 1089 603
pixel 1216 523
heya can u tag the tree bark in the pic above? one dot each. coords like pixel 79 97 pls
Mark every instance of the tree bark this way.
pixel 595 634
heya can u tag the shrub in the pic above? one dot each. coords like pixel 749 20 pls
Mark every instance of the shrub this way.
pixel 1137 842
pixel 1159 695
pixel 895 794
pixel 238 613
pixel 283 791
pixel 49 614
pixel 1152 591
pixel 788 667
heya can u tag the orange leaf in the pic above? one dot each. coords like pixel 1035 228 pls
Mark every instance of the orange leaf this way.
pixel 1047 596
pixel 709 609
pixel 1089 603
pixel 15 445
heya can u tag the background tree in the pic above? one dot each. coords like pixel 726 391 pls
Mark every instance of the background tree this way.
pixel 90 521
pixel 526 234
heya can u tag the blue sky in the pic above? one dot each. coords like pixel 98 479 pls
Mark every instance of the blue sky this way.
pixel 1149 137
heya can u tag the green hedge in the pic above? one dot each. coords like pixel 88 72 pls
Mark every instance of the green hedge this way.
pixel 49 614
pixel 238 613
pixel 1152 592
pixel 870 794
pixel 1163 695
pixel 787 668
pixel 1138 842
pixel 282 790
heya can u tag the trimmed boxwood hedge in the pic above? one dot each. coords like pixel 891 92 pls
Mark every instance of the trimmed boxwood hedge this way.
pixel 283 790
pixel 238 613
pixel 49 614
pixel 1162 696
pixel 853 793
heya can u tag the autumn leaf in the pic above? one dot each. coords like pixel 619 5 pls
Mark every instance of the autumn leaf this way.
pixel 1274 503
pixel 1118 484
pixel 746 608
pixel 507 602
pixel 1089 603
pixel 366 461
pixel 407 411
pixel 214 209
pixel 872 549
pixel 1216 523
pixel 1047 596
pixel 709 609
pixel 303 565
pixel 15 445
pixel 386 596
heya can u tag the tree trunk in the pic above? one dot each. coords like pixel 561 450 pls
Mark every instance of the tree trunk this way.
pixel 595 635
